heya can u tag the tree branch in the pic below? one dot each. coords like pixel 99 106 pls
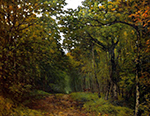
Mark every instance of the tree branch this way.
pixel 96 41
pixel 132 25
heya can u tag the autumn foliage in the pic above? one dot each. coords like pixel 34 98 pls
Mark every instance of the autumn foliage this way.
pixel 99 51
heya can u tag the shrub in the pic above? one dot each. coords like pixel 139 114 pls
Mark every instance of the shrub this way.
pixel 5 106
pixel 104 107
pixel 91 103
pixel 24 111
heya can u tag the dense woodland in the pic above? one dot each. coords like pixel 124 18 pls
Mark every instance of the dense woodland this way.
pixel 106 44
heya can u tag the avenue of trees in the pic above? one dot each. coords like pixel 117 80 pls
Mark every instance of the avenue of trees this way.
pixel 108 44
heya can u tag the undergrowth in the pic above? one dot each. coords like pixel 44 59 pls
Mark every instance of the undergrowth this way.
pixel 10 108
pixel 6 106
pixel 91 103
pixel 34 95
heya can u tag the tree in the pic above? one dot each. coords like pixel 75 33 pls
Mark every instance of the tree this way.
pixel 25 40
pixel 95 15
pixel 89 27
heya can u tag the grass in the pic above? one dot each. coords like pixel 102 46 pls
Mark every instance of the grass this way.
pixel 34 95
pixel 24 111
pixel 91 103
pixel 9 108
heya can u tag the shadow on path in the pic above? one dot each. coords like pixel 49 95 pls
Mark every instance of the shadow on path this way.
pixel 59 105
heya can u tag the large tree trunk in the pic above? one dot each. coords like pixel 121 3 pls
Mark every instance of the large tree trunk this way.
pixel 95 74
pixel 113 74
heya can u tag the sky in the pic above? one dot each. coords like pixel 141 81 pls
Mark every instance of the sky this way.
pixel 73 3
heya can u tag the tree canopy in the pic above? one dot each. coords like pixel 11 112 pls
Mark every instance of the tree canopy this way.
pixel 107 43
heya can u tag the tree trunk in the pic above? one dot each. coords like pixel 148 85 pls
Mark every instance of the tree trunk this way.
pixel 137 89
pixel 138 43
pixel 107 90
pixel 84 83
pixel 113 74
pixel 108 86
pixel 94 69
pixel 115 91
pixel 107 94
pixel 91 85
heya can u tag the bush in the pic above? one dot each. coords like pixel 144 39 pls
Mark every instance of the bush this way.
pixel 145 106
pixel 33 95
pixel 10 108
pixel 104 107
pixel 100 106
pixel 5 106
pixel 24 111
pixel 18 91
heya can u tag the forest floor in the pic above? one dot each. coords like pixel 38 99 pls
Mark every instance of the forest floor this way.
pixel 59 105
pixel 40 103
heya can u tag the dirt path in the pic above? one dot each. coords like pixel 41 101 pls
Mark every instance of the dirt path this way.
pixel 62 105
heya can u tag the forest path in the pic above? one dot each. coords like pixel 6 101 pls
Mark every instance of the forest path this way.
pixel 60 105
